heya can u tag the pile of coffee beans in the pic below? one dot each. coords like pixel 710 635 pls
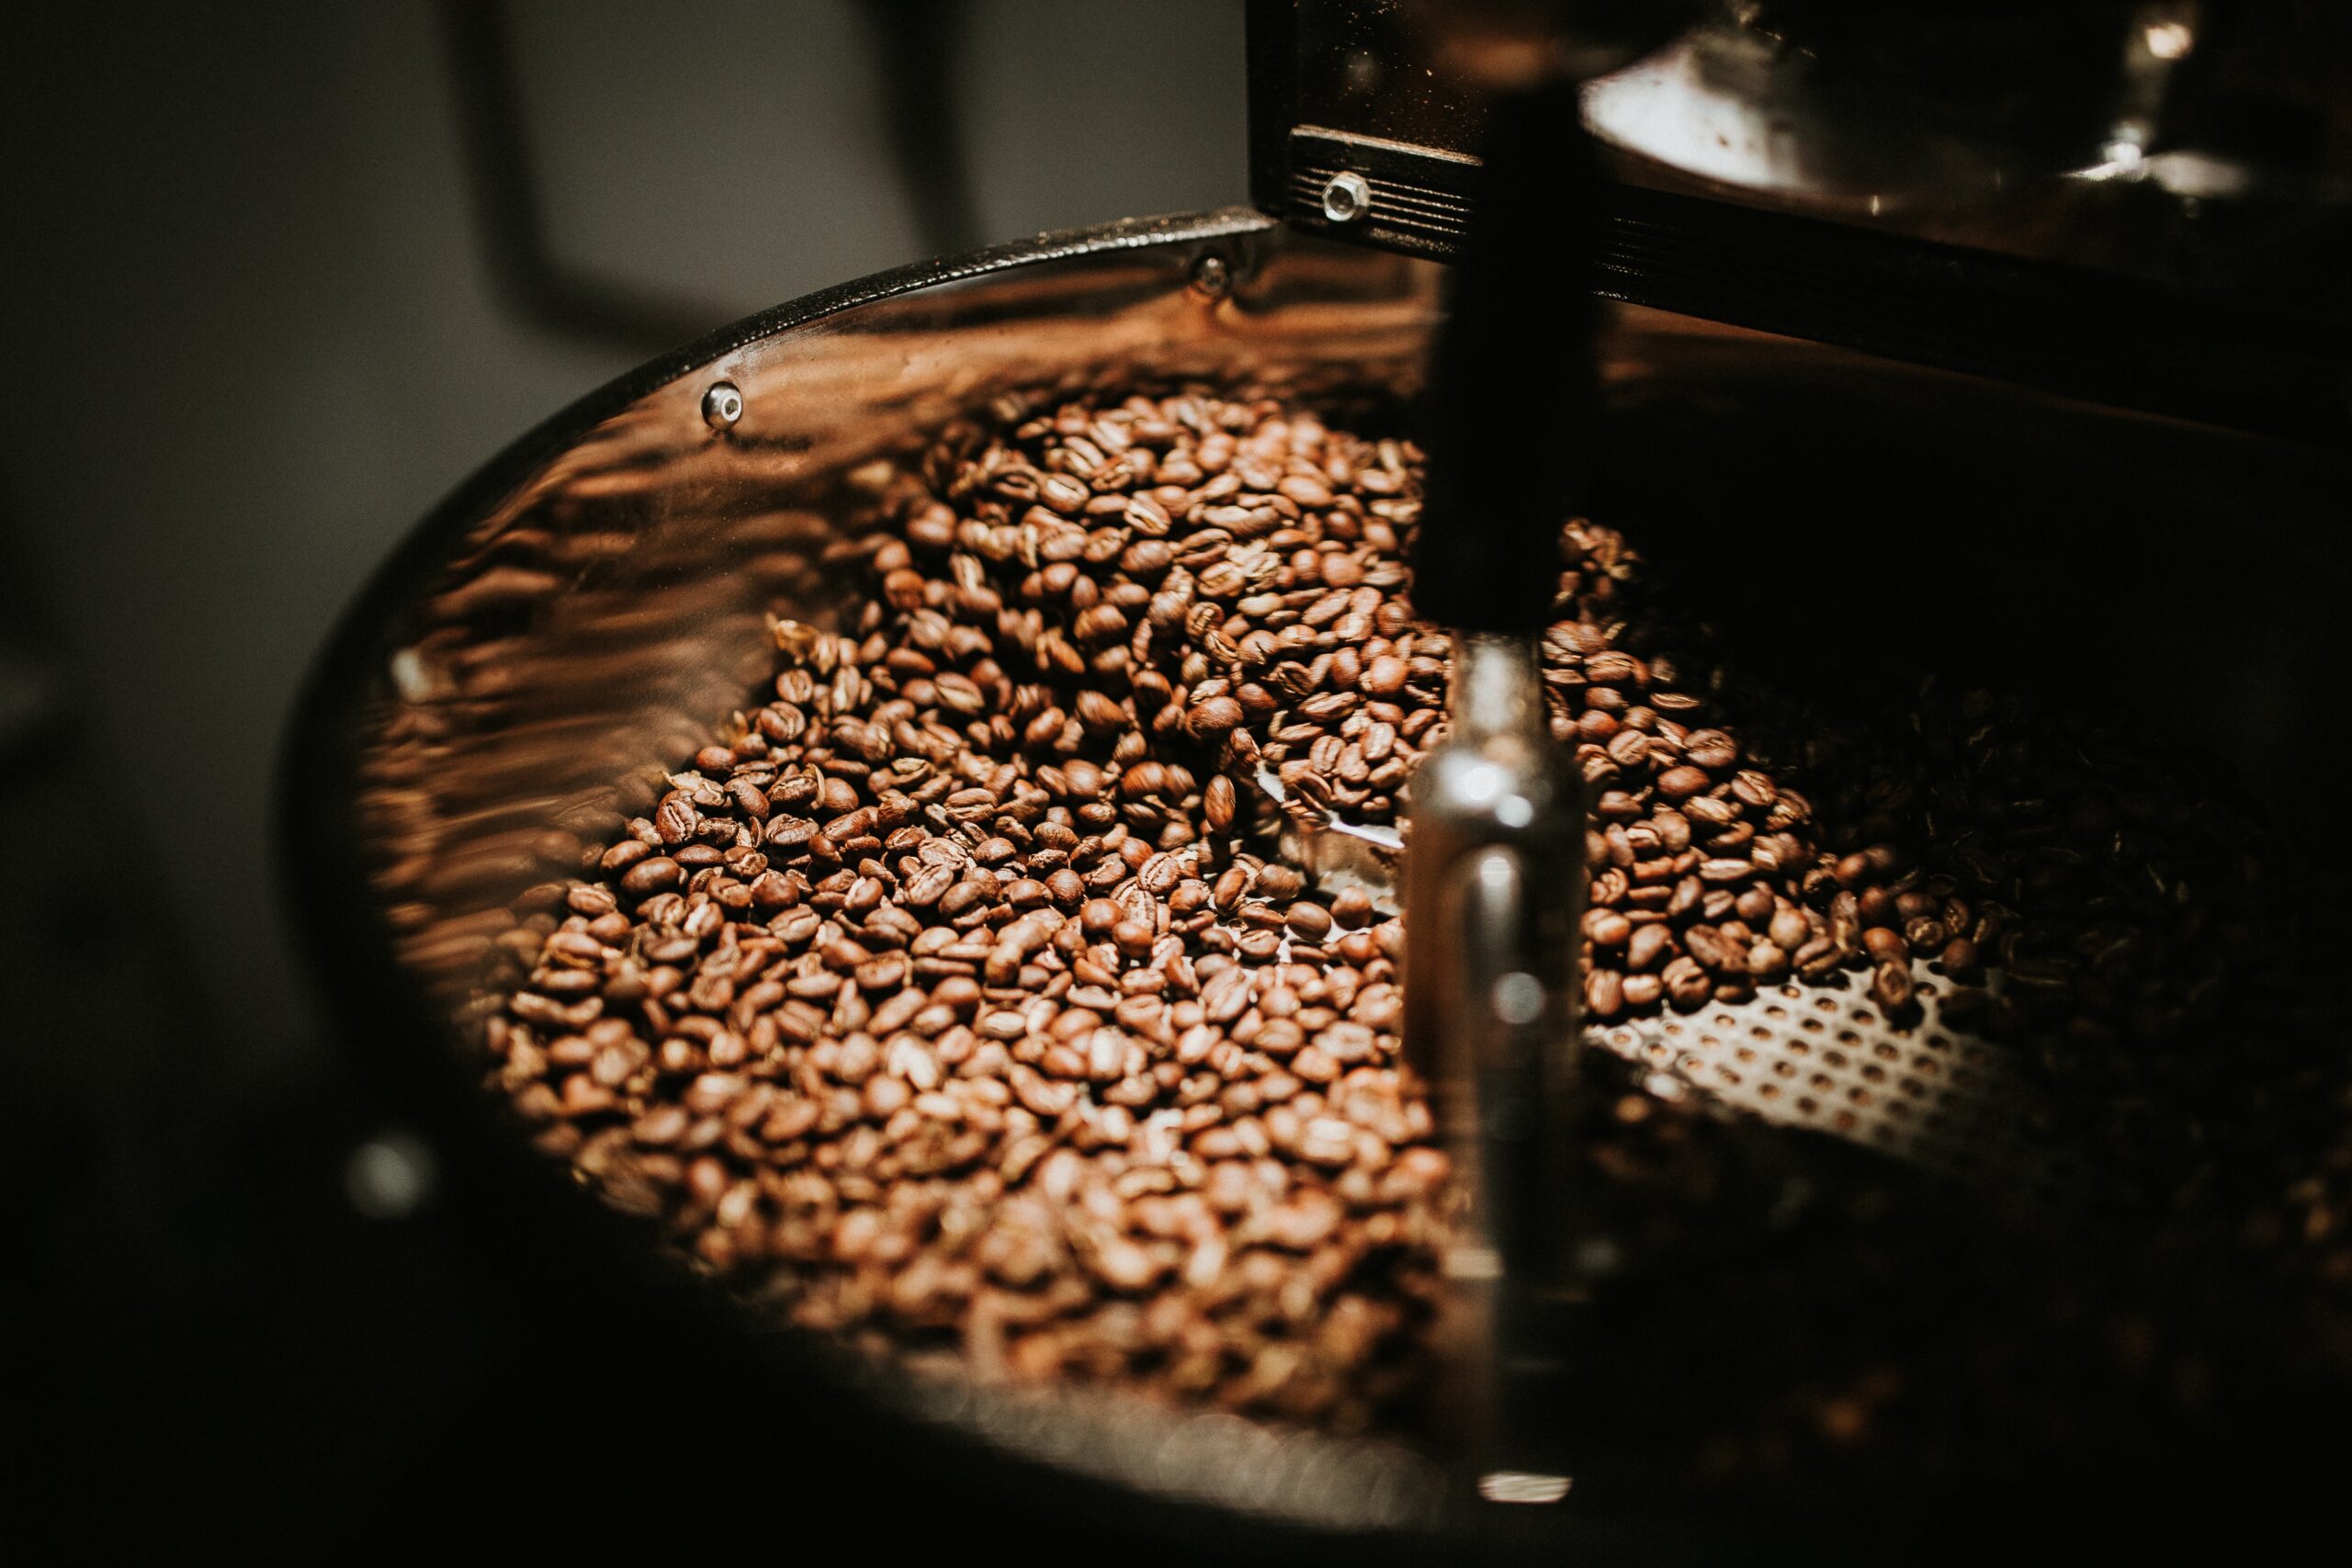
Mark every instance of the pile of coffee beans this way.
pixel 946 1002
pixel 952 1004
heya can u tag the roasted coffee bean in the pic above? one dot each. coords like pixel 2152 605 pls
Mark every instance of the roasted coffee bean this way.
pixel 1926 935
pixel 1218 802
pixel 1711 750
pixel 649 875
pixel 1604 993
pixel 1647 946
pixel 1679 783
pixel 1890 985
pixel 676 820
pixel 1885 946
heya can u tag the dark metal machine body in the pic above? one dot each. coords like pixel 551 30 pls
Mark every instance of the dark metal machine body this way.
pixel 2143 205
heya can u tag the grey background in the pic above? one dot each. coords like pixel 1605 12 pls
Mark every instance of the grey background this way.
pixel 248 336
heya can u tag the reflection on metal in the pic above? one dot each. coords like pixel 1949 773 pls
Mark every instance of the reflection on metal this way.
pixel 1337 854
pixel 1908 181
pixel 1901 109
pixel 1473 1261
pixel 2168 40
pixel 1495 880
pixel 1518 997
pixel 1520 1486
pixel 391 1176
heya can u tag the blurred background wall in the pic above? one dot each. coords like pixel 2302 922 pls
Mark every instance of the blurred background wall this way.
pixel 274 278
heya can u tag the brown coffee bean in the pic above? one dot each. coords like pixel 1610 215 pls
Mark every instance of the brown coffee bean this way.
pixel 1218 802
pixel 1628 748
pixel 1710 749
pixel 1890 985
pixel 652 874
pixel 1604 993
pixel 1310 922
pixel 1678 783
pixel 1280 882
pixel 676 820
pixel 1227 996
pixel 1885 946
pixel 1710 947
pixel 1688 985
pixel 927 887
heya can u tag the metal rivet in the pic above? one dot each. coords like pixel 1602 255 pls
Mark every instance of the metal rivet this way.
pixel 1346 198
pixel 723 405
pixel 1210 276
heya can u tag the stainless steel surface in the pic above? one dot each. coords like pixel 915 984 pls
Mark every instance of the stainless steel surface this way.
pixel 1878 107
pixel 1494 892
pixel 2203 147
pixel 1337 854
pixel 1827 1060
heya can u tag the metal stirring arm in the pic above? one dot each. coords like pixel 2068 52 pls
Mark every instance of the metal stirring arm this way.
pixel 1494 884
pixel 1495 872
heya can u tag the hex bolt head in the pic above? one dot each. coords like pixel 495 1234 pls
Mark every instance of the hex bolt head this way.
pixel 1346 198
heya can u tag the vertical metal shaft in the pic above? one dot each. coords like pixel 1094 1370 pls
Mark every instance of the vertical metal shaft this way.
pixel 1495 872
pixel 1495 882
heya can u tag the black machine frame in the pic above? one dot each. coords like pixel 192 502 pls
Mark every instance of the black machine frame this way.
pixel 2127 342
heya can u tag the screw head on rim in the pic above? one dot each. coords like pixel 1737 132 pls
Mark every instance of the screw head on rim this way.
pixel 1346 196
pixel 723 405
